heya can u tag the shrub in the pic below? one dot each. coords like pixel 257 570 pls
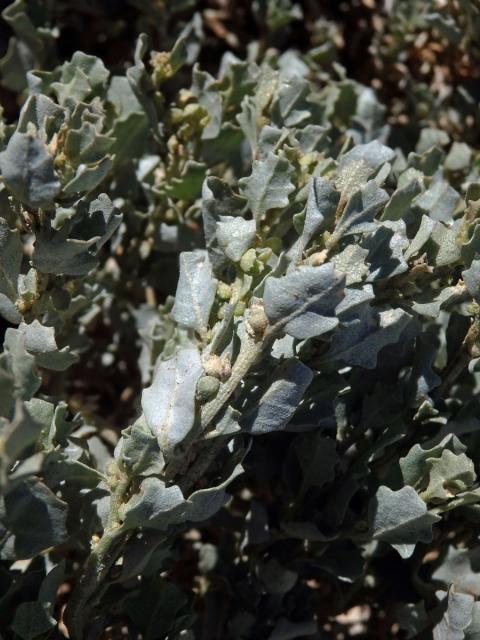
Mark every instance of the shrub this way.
pixel 239 374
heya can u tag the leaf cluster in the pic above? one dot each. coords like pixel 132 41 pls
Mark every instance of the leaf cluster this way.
pixel 239 376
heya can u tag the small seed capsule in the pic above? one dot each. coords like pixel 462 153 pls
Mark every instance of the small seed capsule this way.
pixel 256 320
pixel 207 388
pixel 217 367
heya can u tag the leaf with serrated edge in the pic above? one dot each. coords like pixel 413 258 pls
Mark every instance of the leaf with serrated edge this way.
pixel 401 518
pixel 269 185
pixel 27 169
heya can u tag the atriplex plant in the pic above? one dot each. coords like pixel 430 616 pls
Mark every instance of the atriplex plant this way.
pixel 327 296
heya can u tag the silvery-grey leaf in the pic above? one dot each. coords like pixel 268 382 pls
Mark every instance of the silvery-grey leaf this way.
pixel 191 37
pixel 268 186
pixel 320 210
pixel 358 165
pixel 365 333
pixel 21 364
pixel 267 84
pixel 290 64
pixel 228 422
pixel 427 162
pixel 72 249
pixel 283 347
pixel 291 106
pixel 205 87
pixel 247 119
pixel 235 235
pixel 104 219
pixel 50 585
pixel 11 250
pixel 155 507
pixel 448 475
pixel 351 262
pixel 303 302
pixel 471 247
pixel 27 169
pixel 431 137
pixel 382 174
pixel 20 433
pixel 439 201
pixel 473 629
pixel 432 305
pixel 85 144
pixel 459 157
pixel 414 464
pixel 8 310
pixel 423 377
pixel 56 428
pixel 399 204
pixel 400 518
pixel 354 300
pixel 279 268
pixel 385 250
pixel 456 618
pixel 444 239
pixel 279 402
pixel 222 333
pixel 457 570
pixel 80 77
pixel 88 177
pixel 40 342
pixel 360 211
pixel 196 291
pixel 270 140
pixel 169 403
pixel 204 503
pixel 471 277
pixel 92 66
pixel 45 114
pixel 142 85
pixel 313 137
pixel 370 113
pixel 421 237
pixel 121 96
pixel 29 499
pixel 218 200
pixel 55 253
pixel 140 452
